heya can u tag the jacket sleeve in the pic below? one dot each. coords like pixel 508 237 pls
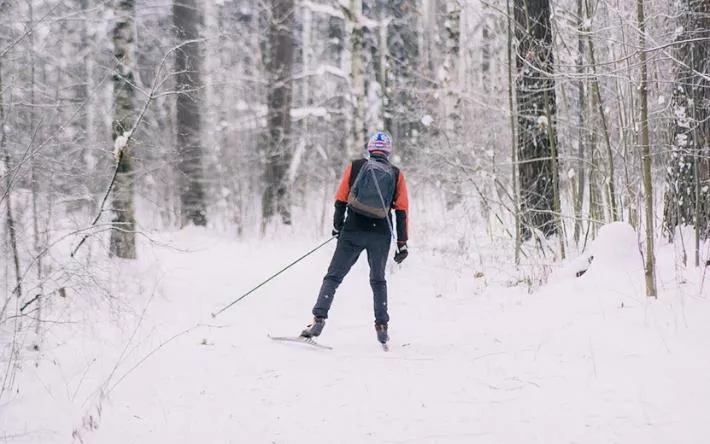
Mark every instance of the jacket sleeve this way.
pixel 344 187
pixel 341 198
pixel 401 209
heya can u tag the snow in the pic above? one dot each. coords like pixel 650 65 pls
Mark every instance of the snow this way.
pixel 120 143
pixel 312 111
pixel 296 159
pixel 323 9
pixel 542 122
pixel 427 120
pixel 583 360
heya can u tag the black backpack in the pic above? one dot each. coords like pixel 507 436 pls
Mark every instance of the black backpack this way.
pixel 373 190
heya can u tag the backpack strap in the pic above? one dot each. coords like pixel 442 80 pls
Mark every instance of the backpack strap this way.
pixel 355 170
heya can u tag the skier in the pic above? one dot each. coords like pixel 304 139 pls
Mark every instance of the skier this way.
pixel 369 190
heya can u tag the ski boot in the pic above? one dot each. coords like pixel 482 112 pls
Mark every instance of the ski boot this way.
pixel 382 335
pixel 314 328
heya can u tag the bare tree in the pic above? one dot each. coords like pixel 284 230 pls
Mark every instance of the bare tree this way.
pixel 650 266
pixel 275 197
pixel 9 217
pixel 186 19
pixel 513 147
pixel 74 142
pixel 582 134
pixel 123 237
pixel 536 111
pixel 687 197
pixel 401 117
pixel 598 103
pixel 357 76
pixel 452 47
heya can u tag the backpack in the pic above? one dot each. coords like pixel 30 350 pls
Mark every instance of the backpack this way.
pixel 372 193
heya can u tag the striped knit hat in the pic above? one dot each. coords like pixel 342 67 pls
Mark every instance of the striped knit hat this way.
pixel 381 141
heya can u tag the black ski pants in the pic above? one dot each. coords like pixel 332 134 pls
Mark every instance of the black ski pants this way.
pixel 350 245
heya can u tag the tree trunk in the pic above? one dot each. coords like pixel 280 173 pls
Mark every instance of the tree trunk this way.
pixel 123 236
pixel 36 177
pixel 597 99
pixel 582 134
pixel 9 217
pixel 357 78
pixel 280 66
pixel 451 59
pixel 596 182
pixel 381 65
pixel 687 198
pixel 514 153
pixel 650 266
pixel 75 145
pixel 186 18
pixel 403 60
pixel 535 101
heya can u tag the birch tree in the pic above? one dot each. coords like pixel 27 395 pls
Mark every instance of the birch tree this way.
pixel 582 134
pixel 123 237
pixel 650 265
pixel 452 38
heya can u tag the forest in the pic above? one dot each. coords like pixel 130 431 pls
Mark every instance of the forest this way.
pixel 523 126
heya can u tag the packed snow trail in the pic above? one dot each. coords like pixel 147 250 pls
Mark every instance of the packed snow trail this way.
pixel 567 364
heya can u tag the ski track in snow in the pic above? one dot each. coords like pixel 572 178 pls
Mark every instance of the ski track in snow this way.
pixel 565 365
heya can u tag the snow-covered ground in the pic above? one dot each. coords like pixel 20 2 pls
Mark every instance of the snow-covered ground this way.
pixel 582 360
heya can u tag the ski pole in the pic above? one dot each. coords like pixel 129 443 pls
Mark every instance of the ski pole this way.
pixel 214 315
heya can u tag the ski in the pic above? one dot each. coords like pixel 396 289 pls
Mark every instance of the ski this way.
pixel 302 340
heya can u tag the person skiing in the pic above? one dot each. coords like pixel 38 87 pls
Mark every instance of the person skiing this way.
pixel 368 192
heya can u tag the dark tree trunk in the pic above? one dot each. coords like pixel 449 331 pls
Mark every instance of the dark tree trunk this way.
pixel 357 77
pixel 401 118
pixel 687 196
pixel 279 95
pixel 186 18
pixel 123 237
pixel 535 94
pixel 451 11
pixel 487 39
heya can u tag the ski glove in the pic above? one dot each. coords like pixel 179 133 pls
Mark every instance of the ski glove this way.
pixel 401 253
pixel 339 215
pixel 335 233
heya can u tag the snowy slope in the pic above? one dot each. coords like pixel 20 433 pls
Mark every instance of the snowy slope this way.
pixel 587 360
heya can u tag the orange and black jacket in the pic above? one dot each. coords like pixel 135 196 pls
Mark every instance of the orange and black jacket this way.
pixel 358 222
